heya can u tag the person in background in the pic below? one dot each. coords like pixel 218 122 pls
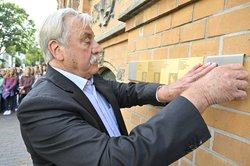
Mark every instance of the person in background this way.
pixel 44 68
pixel 32 71
pixel 72 115
pixel 16 96
pixel 9 88
pixel 2 73
pixel 19 75
pixel 25 83
pixel 38 74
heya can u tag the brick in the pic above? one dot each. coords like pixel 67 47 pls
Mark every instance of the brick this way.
pixel 163 24
pixel 143 55
pixel 151 12
pixel 179 51
pixel 231 122
pixel 96 29
pixel 149 29
pixel 132 57
pixel 185 163
pixel 154 41
pixel 160 53
pixel 118 39
pixel 143 120
pixel 141 44
pixel 207 143
pixel 203 158
pixel 190 156
pixel 171 37
pixel 230 22
pixel 139 19
pixel 126 114
pixel 129 126
pixel 205 48
pixel 174 164
pixel 114 53
pixel 233 3
pixel 141 111
pixel 152 111
pixel 84 6
pixel 242 105
pixel 139 56
pixel 233 149
pixel 182 16
pixel 135 119
pixel 133 35
pixel 166 6
pixel 193 31
pixel 205 8
pixel 237 44
pixel 130 24
pixel 182 2
pixel 131 47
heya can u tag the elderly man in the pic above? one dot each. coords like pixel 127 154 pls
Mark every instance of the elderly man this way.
pixel 72 116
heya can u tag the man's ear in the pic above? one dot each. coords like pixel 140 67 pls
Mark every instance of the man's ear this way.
pixel 56 49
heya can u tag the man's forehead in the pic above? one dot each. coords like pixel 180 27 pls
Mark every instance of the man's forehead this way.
pixel 87 30
pixel 79 25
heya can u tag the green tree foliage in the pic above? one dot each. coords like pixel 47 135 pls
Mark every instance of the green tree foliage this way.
pixel 33 56
pixel 17 32
pixel 2 63
pixel 18 62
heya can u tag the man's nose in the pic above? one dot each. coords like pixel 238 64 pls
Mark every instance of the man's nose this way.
pixel 96 48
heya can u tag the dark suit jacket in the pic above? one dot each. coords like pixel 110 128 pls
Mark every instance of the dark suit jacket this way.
pixel 61 127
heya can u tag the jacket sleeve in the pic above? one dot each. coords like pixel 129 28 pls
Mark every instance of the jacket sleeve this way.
pixel 133 94
pixel 64 138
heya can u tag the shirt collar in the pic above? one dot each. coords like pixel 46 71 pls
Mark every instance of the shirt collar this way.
pixel 79 81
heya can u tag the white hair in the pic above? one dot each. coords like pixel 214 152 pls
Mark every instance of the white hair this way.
pixel 54 28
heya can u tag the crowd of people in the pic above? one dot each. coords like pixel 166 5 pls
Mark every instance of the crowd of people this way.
pixel 15 84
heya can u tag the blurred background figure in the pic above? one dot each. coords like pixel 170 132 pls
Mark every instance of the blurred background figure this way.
pixel 2 73
pixel 26 82
pixel 8 91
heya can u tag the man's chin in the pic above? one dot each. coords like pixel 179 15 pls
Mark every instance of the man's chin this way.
pixel 95 68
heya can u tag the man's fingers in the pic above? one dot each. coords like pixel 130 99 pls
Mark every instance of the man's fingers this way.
pixel 203 70
pixel 242 75
pixel 235 66
pixel 240 95
pixel 242 84
pixel 195 68
pixel 198 68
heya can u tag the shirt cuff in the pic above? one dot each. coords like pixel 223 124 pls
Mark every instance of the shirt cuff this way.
pixel 156 96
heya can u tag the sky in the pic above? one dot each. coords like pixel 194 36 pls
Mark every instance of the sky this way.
pixel 37 9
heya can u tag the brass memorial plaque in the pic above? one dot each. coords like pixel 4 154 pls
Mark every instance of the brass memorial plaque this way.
pixel 167 71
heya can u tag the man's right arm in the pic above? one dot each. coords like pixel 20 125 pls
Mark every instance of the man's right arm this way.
pixel 63 137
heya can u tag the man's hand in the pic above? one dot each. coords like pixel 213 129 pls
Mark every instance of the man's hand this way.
pixel 222 84
pixel 168 92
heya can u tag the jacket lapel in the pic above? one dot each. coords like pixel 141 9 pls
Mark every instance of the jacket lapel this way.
pixel 67 85
pixel 106 91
